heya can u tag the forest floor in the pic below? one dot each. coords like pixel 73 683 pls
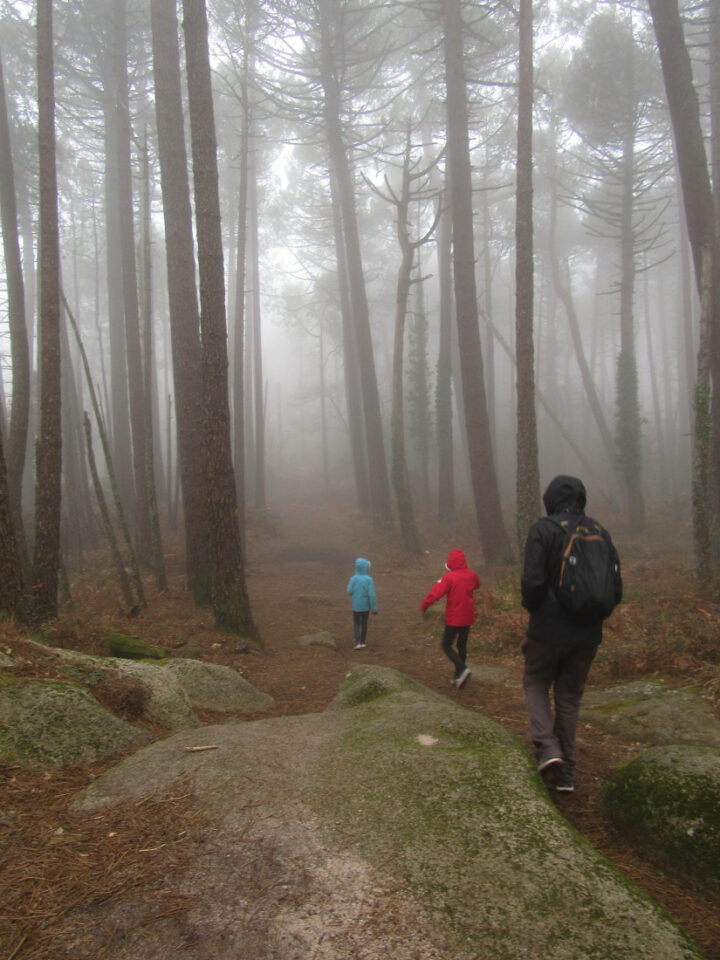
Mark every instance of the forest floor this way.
pixel 300 558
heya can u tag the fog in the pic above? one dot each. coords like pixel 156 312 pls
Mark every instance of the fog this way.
pixel 293 84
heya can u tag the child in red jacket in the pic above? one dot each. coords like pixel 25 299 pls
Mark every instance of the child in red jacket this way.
pixel 458 585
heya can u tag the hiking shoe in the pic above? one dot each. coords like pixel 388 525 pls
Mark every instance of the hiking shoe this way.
pixel 564 781
pixel 459 681
pixel 548 762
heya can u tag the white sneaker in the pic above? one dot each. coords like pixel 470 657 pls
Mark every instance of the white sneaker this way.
pixel 462 678
pixel 549 762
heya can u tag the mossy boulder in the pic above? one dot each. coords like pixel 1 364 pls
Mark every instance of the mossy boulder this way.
pixel 394 792
pixel 168 704
pixel 51 723
pixel 653 713
pixel 133 648
pixel 212 686
pixel 667 801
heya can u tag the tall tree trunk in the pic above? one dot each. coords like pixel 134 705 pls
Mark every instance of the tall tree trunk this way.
pixel 241 271
pixel 399 472
pixel 156 552
pixel 527 481
pixel 11 578
pixel 443 397
pixel 20 411
pixel 419 389
pixel 104 439
pixel 629 428
pixel 130 288
pixel 700 216
pixel 353 389
pixel 487 311
pixel 182 298
pixel 123 579
pixel 230 599
pixel 77 518
pixel 118 415
pixel 340 169
pixel 257 360
pixel 46 561
pixel 484 479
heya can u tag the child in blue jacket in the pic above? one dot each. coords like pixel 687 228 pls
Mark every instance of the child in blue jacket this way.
pixel 362 590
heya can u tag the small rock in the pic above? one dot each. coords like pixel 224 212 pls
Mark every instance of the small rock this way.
pixel 321 599
pixel 321 639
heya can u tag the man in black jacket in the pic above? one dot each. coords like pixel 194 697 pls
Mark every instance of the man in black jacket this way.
pixel 560 646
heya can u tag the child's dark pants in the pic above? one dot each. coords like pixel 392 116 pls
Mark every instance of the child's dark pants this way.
pixel 447 644
pixel 360 624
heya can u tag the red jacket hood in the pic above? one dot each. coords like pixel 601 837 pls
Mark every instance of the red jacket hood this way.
pixel 456 560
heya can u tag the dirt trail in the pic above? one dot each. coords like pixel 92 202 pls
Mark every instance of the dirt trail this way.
pixel 300 560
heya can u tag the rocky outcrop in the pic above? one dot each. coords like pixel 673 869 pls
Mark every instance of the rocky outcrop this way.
pixel 59 722
pixel 395 802
pixel 211 686
pixel 50 723
pixel 652 713
pixel 667 801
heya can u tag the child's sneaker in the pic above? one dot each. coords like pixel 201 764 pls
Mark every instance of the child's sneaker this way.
pixel 459 681
pixel 564 780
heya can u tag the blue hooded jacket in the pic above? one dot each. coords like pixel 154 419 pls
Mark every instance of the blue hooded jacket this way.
pixel 362 588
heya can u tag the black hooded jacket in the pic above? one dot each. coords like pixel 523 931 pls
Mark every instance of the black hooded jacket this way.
pixel 549 621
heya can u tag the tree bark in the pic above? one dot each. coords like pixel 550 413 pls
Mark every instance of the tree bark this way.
pixel 353 389
pixel 257 357
pixel 527 481
pixel 340 169
pixel 106 521
pixel 46 561
pixel 148 358
pixel 11 578
pixel 118 414
pixel 20 411
pixel 484 479
pixel 700 217
pixel 182 298
pixel 241 272
pixel 230 599
pixel 133 348
pixel 443 399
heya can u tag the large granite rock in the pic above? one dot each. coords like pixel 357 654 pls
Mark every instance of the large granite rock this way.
pixel 653 713
pixel 667 801
pixel 396 824
pixel 48 723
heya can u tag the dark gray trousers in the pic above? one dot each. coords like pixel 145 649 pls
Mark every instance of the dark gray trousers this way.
pixel 460 657
pixel 564 667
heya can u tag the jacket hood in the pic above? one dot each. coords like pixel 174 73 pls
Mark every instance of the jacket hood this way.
pixel 565 493
pixel 362 566
pixel 456 560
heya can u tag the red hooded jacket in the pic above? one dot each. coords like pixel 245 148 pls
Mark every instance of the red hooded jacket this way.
pixel 458 585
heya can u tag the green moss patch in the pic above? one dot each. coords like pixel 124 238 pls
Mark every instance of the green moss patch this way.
pixel 132 648
pixel 56 724
pixel 667 801
pixel 654 714
pixel 451 804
